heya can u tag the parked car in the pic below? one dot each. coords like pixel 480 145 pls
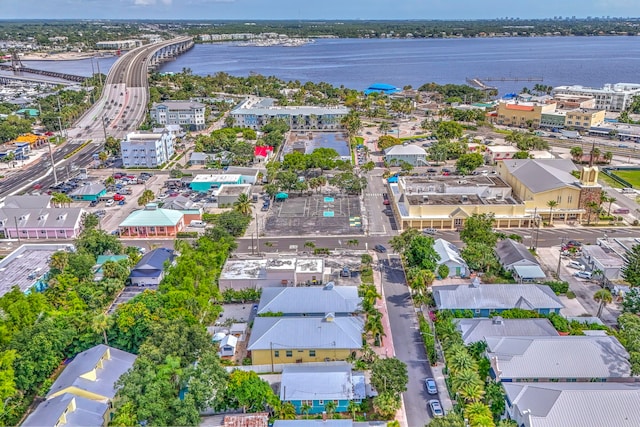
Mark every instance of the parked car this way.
pixel 430 231
pixel 573 244
pixel 109 203
pixel 431 386
pixel 436 408
pixel 386 202
pixel 93 203
pixel 576 265
pixel 380 248
pixel 583 274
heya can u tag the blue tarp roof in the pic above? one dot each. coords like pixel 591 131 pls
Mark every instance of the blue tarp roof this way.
pixel 381 87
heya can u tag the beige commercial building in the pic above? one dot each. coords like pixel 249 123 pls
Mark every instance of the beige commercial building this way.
pixel 522 114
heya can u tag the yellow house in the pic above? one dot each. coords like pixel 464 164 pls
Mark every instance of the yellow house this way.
pixel 276 340
pixel 445 202
pixel 85 389
pixel 584 118
pixel 542 182
pixel 522 114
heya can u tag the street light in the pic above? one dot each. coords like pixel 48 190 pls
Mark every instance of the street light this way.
pixel 560 256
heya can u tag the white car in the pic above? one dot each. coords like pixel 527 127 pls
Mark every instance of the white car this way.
pixel 109 203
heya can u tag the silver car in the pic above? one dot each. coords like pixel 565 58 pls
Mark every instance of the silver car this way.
pixel 436 408
pixel 431 386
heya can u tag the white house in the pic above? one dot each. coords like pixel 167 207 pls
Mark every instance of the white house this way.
pixel 412 154
pixel 188 114
pixel 450 256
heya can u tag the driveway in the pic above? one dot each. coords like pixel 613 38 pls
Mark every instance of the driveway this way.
pixel 407 341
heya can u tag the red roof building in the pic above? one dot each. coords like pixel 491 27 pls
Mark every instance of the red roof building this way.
pixel 264 151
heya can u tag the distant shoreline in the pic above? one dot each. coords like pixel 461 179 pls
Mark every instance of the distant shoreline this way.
pixel 66 56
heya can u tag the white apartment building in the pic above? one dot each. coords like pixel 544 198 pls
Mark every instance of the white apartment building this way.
pixel 188 114
pixel 611 97
pixel 256 112
pixel 147 149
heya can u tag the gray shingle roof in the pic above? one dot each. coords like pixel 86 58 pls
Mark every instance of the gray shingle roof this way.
pixel 306 332
pixel 501 296
pixel 27 202
pixel 583 404
pixel 540 175
pixel 45 218
pixel 309 300
pixel 474 330
pixel 509 252
pixel 152 263
pixel 559 357
pixel 317 382
pixel 88 413
pixel 112 368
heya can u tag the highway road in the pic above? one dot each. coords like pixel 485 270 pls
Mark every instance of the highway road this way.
pixel 120 109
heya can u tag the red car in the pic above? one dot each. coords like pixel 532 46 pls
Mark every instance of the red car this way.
pixel 386 202
pixel 118 197
pixel 118 175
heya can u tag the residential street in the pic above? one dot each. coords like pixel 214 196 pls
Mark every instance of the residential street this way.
pixel 406 339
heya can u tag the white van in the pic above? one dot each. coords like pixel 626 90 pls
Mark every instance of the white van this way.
pixel 628 190
pixel 583 274
pixel 196 223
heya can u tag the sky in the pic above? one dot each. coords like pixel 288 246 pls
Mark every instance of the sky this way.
pixel 310 10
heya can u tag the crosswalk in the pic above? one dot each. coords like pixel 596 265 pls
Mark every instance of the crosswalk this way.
pixel 373 194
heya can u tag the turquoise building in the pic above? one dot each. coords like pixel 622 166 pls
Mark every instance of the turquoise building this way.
pixel 204 183
pixel 89 192
pixel 311 388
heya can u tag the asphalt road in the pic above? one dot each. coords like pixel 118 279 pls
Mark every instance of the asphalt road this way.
pixel 407 341
pixel 120 109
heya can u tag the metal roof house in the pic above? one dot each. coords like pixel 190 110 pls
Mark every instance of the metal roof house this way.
pixel 516 258
pixel 41 223
pixel 412 154
pixel 152 221
pixel 573 404
pixel 318 423
pixel 310 301
pixel 82 394
pixel 562 358
pixel 484 300
pixel 89 192
pixel 150 269
pixel 450 256
pixel 474 330
pixel 317 384
pixel 68 410
pixel 384 88
pixel 304 339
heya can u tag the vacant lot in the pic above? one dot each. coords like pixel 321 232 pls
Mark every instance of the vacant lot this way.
pixel 631 176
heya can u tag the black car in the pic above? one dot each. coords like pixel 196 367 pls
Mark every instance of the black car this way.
pixel 93 203
pixel 380 248
pixel 432 170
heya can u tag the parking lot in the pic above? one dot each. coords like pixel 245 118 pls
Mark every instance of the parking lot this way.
pixel 315 214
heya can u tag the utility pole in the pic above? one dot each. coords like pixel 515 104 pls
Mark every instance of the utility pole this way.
pixel 53 163
pixel 257 234
pixel 104 130
pixel 15 220
pixel 537 223
pixel 560 258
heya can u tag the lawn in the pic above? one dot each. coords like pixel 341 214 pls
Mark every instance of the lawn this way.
pixel 609 181
pixel 631 176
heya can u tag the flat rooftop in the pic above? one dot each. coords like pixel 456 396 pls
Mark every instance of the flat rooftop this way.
pixel 457 199
pixel 233 189
pixel 423 183
pixel 217 178
pixel 309 265
pixel 24 266
pixel 281 264
pixel 244 269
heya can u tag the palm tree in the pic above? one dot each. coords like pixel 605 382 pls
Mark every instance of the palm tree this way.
pixel 608 156
pixel 595 153
pixel 286 411
pixel 576 153
pixel 611 201
pixel 309 245
pixel 471 392
pixel 100 324
pixel 305 409
pixel 353 407
pixel 384 127
pixel 459 359
pixel 552 204
pixel 353 242
pixel 59 260
pixel 243 205
pixel 592 207
pixel 603 297
pixel 467 376
pixel 330 408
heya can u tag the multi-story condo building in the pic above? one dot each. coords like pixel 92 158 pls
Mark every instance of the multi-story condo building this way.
pixel 255 113
pixel 188 114
pixel 119 44
pixel 147 149
pixel 611 97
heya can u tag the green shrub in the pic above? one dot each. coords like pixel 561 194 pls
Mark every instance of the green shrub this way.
pixel 187 235
pixel 558 286
pixel 241 295
pixel 560 323
pixel 571 295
